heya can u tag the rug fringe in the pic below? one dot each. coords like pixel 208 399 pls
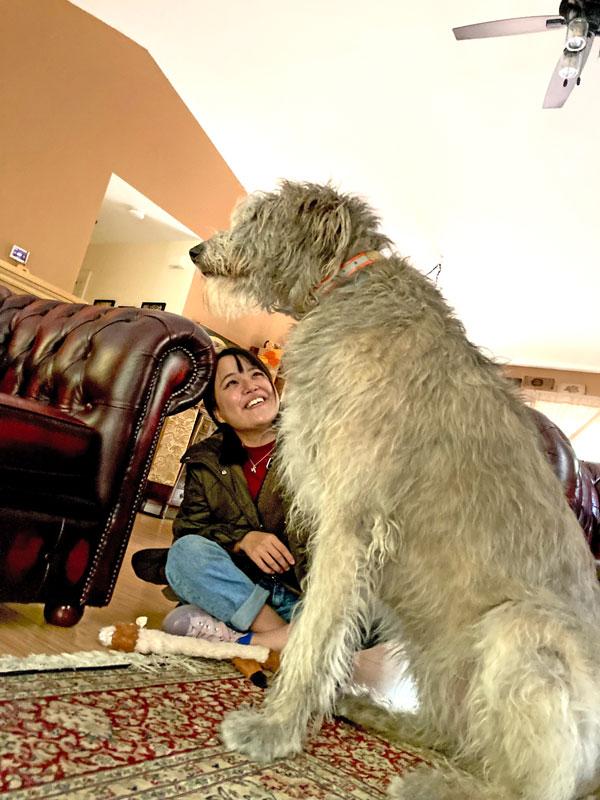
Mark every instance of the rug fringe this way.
pixel 97 659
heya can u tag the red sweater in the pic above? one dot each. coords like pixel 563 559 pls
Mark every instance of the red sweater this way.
pixel 256 466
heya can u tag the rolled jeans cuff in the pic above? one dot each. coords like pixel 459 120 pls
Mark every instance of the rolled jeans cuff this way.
pixel 245 615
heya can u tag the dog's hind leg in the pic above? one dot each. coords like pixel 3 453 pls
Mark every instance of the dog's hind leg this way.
pixel 317 659
pixel 442 782
pixel 397 727
pixel 531 716
pixel 529 724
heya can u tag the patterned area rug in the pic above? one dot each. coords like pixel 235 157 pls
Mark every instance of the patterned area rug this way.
pixel 111 732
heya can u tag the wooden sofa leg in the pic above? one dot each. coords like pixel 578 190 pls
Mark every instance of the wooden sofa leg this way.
pixel 65 616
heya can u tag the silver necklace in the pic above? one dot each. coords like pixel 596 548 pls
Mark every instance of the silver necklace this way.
pixel 254 464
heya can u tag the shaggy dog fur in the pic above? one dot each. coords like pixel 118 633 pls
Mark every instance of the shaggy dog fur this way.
pixel 423 479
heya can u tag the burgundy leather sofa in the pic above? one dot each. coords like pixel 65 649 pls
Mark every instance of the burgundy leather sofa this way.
pixel 580 479
pixel 84 391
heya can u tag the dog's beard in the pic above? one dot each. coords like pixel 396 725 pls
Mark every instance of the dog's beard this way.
pixel 227 299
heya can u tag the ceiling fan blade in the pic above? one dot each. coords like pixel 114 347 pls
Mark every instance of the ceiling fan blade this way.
pixel 508 27
pixel 559 87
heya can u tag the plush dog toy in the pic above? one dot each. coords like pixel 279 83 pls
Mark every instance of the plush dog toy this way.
pixel 135 637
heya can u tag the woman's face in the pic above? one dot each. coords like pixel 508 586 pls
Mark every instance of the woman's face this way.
pixel 245 398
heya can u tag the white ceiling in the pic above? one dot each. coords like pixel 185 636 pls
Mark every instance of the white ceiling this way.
pixel 151 223
pixel 448 140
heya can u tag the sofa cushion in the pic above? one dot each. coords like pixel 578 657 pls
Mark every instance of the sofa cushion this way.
pixel 45 452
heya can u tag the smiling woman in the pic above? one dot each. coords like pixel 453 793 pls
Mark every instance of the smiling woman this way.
pixel 244 397
pixel 232 563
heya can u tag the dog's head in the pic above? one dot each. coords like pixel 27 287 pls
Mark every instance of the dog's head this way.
pixel 282 245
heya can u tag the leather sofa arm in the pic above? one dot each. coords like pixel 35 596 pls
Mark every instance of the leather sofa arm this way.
pixel 118 370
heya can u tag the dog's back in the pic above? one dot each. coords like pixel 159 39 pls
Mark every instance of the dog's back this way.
pixel 415 426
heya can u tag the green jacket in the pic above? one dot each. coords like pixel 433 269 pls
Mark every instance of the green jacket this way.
pixel 217 504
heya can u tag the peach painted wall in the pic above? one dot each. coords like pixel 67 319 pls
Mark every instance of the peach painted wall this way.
pixel 80 101
pixel 245 331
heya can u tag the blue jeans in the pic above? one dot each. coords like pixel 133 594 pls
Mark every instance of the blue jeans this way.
pixel 202 572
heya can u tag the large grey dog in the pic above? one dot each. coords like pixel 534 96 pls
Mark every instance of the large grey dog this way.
pixel 431 503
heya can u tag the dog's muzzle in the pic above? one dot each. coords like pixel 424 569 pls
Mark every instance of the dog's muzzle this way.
pixel 196 253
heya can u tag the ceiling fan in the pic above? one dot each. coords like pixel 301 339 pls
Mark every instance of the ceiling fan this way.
pixel 581 18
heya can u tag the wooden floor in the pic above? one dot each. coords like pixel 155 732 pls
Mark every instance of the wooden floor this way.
pixel 23 630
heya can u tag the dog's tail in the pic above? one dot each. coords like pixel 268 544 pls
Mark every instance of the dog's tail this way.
pixel 533 707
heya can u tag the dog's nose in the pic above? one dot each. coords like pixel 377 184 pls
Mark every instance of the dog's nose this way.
pixel 196 252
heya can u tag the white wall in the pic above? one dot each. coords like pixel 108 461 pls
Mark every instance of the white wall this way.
pixel 135 273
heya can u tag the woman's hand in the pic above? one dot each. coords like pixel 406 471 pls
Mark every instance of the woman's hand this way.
pixel 267 551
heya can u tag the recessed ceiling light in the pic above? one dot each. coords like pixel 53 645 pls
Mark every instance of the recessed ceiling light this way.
pixel 137 213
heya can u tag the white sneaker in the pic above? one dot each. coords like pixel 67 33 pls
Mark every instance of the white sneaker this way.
pixel 193 621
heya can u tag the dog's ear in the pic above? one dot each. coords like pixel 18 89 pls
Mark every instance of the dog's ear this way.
pixel 336 234
pixel 323 218
pixel 328 229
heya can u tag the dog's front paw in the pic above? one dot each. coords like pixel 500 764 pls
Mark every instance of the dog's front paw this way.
pixel 251 733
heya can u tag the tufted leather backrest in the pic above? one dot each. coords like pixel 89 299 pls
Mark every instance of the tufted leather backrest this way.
pixel 119 370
